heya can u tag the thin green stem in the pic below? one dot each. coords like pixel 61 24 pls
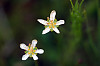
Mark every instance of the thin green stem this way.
pixel 72 3
pixel 36 63
pixel 81 3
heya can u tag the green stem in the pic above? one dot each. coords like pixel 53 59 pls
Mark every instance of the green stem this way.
pixel 36 63
pixel 81 3
pixel 72 4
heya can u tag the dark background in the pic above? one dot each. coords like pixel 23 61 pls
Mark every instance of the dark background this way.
pixel 18 24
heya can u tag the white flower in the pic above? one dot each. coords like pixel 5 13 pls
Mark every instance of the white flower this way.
pixel 52 24
pixel 31 50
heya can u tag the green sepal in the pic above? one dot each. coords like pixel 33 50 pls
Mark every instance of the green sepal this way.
pixel 35 53
pixel 46 26
pixel 55 20
pixel 56 25
pixel 35 48
pixel 29 47
pixel 26 51
pixel 48 20
pixel 31 55
pixel 51 29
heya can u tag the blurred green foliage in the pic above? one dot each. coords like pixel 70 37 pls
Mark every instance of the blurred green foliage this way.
pixel 78 43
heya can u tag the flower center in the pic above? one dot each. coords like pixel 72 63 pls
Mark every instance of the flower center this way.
pixel 51 24
pixel 31 51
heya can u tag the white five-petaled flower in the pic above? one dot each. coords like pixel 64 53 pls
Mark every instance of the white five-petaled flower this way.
pixel 31 50
pixel 51 24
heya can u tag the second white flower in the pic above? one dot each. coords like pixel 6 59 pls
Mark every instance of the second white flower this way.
pixel 51 24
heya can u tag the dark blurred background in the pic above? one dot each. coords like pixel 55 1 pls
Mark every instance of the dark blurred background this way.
pixel 76 45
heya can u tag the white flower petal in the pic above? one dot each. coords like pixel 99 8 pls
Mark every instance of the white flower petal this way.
pixel 40 51
pixel 52 15
pixel 24 57
pixel 34 42
pixel 56 30
pixel 44 22
pixel 60 22
pixel 35 57
pixel 23 46
pixel 46 30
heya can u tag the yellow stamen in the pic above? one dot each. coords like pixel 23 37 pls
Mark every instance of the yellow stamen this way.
pixel 52 26
pixel 32 53
pixel 34 50
pixel 31 49
pixel 54 23
pixel 48 23
pixel 49 26
pixel 47 18
pixel 29 45
pixel 35 40
pixel 51 21
pixel 28 52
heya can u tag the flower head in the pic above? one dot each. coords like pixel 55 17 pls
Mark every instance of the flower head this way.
pixel 31 50
pixel 51 24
